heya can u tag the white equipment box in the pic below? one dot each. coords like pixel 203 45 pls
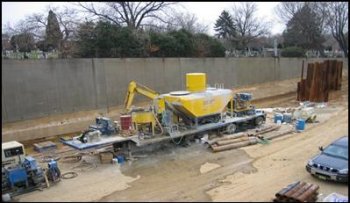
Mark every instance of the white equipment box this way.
pixel 12 154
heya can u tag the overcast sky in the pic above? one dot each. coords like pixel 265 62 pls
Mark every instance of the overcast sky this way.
pixel 206 12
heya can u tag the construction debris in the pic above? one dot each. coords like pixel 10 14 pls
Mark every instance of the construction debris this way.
pixel 335 197
pixel 307 113
pixel 320 79
pixel 298 192
pixel 106 157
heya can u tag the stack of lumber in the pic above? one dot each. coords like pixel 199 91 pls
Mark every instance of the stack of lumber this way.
pixel 298 192
pixel 321 78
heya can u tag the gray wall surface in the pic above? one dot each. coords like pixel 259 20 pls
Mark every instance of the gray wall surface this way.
pixel 38 88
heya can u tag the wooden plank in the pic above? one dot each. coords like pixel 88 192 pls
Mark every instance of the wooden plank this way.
pixel 330 74
pixel 309 75
pixel 298 91
pixel 325 83
pixel 302 72
pixel 303 90
pixel 315 83
pixel 339 75
pixel 334 75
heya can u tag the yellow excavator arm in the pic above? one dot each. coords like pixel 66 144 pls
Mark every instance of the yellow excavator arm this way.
pixel 141 89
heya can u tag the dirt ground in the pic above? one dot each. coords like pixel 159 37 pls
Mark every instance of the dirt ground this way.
pixel 194 173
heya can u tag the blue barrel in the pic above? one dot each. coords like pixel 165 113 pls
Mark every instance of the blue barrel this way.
pixel 120 159
pixel 300 125
pixel 278 117
pixel 287 117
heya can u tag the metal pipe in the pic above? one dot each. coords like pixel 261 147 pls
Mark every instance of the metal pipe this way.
pixel 286 189
pixel 295 195
pixel 308 193
pixel 296 188
pixel 279 135
pixel 231 141
pixel 251 141
pixel 234 136
pixel 272 128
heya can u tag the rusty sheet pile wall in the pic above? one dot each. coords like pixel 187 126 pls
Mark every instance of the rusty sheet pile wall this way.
pixel 321 78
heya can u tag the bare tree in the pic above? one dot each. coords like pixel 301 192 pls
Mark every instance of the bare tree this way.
pixel 187 21
pixel 248 26
pixel 286 10
pixel 36 23
pixel 332 17
pixel 132 14
pixel 337 22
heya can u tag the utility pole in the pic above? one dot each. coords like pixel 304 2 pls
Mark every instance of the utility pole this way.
pixel 275 47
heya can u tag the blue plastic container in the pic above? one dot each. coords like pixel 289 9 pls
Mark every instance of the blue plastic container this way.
pixel 278 117
pixel 287 117
pixel 300 125
pixel 120 159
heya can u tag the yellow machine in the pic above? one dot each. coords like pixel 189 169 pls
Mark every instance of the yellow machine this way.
pixel 138 88
pixel 182 115
pixel 196 106
pixel 141 118
pixel 242 105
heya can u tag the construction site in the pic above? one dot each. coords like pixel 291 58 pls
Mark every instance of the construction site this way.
pixel 171 129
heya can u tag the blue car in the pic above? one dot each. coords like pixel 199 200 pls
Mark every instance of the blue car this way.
pixel 332 162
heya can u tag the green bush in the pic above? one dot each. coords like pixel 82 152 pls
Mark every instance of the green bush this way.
pixel 206 46
pixel 293 52
pixel 103 40
pixel 167 45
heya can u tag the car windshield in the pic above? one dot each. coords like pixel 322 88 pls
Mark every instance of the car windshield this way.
pixel 334 150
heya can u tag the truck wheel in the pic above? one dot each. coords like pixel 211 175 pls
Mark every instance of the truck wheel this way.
pixel 259 121
pixel 231 128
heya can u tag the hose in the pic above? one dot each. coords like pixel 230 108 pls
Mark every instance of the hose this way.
pixel 160 125
pixel 162 130
pixel 69 175
pixel 172 139
pixel 177 143
pixel 72 158
pixel 48 158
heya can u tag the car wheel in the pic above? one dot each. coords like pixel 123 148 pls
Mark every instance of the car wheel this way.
pixel 259 121
pixel 231 128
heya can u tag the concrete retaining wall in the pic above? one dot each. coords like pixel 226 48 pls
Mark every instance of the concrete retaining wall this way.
pixel 39 88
